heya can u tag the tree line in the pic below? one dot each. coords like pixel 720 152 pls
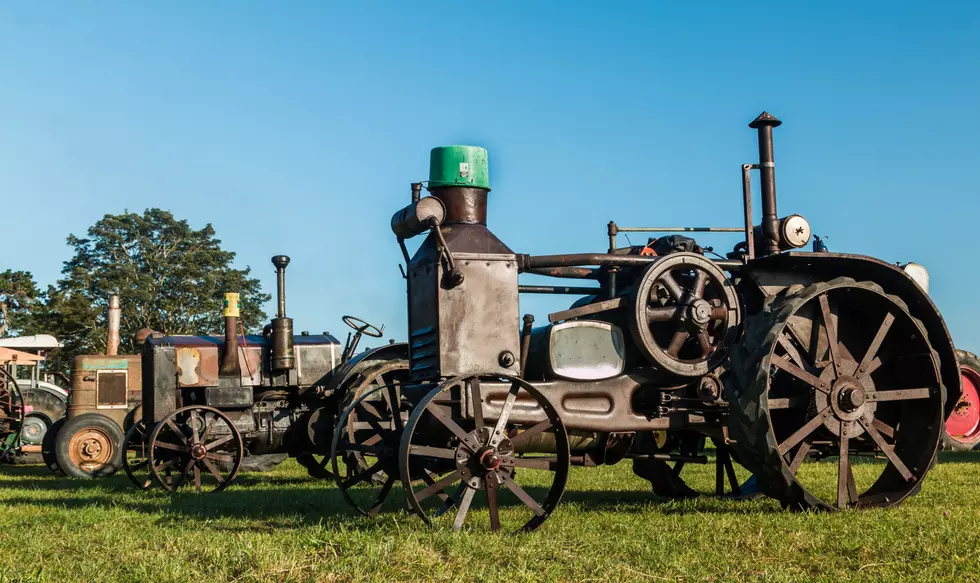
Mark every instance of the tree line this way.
pixel 169 277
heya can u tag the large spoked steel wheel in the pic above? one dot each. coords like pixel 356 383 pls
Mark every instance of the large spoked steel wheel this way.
pixel 685 315
pixel 365 448
pixel 838 400
pixel 446 453
pixel 136 457
pixel 197 446
pixel 11 413
pixel 963 424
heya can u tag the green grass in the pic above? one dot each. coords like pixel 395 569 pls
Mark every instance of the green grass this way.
pixel 283 526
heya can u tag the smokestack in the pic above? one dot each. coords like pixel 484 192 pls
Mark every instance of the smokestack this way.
pixel 229 358
pixel 282 327
pixel 112 343
pixel 767 171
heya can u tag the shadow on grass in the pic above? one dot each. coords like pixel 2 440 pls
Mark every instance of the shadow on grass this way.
pixel 959 457
pixel 292 502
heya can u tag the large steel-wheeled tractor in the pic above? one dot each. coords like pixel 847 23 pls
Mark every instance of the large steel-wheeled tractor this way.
pixel 209 402
pixel 826 375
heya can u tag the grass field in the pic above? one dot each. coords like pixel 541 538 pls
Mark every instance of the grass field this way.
pixel 284 527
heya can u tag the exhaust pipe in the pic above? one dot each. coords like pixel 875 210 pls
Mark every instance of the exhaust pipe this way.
pixel 229 359
pixel 112 342
pixel 282 327
pixel 767 173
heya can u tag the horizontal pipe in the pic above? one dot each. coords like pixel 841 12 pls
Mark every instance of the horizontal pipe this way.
pixel 529 262
pixel 566 272
pixel 671 457
pixel 680 229
pixel 557 289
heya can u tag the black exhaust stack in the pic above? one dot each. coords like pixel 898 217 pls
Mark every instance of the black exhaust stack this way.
pixel 282 327
pixel 767 171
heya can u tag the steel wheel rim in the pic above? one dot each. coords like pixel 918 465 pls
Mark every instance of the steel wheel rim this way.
pixel 963 424
pixel 11 412
pixel 837 385
pixel 501 460
pixel 90 450
pixel 190 463
pixel 137 467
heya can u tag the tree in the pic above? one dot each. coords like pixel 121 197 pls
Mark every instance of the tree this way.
pixel 19 295
pixel 169 277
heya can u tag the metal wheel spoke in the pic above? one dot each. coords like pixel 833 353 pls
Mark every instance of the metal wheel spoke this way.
pixel 464 507
pixel 705 343
pixel 831 327
pixel 499 428
pixel 791 351
pixel 197 478
pixel 888 450
pixel 220 457
pixel 872 352
pixel 382 495
pixel 362 475
pixel 522 438
pixel 374 450
pixel 524 497
pixel 537 463
pixel 804 431
pixel 451 425
pixel 173 426
pixel 843 467
pixel 394 405
pixel 183 475
pixel 436 487
pixel 662 313
pixel 700 282
pixel 794 465
pixel 477 399
pixel 677 342
pixel 195 438
pixel 220 441
pixel 368 408
pixel 673 288
pixel 719 313
pixel 884 429
pixel 492 504
pixel 214 470
pixel 812 380
pixel 171 446
pixel 788 403
pixel 207 429
pixel 436 452
pixel 901 395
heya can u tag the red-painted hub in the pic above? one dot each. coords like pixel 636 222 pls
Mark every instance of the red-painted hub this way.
pixel 964 423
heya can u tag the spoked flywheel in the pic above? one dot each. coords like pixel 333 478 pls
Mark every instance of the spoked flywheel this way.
pixel 484 434
pixel 187 446
pixel 685 314
pixel 837 400
pixel 11 413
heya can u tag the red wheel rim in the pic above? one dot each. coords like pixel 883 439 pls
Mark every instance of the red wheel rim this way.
pixel 964 422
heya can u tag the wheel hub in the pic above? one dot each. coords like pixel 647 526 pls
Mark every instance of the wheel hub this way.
pixel 964 422
pixel 848 397
pixel 474 466
pixel 699 313
pixel 91 448
pixel 198 451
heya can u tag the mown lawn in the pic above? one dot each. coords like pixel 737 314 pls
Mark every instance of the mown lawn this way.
pixel 283 526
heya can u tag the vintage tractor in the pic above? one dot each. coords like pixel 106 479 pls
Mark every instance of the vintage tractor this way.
pixel 208 402
pixel 963 424
pixel 37 393
pixel 826 375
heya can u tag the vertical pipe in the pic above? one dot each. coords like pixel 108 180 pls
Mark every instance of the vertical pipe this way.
pixel 526 341
pixel 282 357
pixel 767 171
pixel 229 358
pixel 612 230
pixel 112 342
pixel 747 204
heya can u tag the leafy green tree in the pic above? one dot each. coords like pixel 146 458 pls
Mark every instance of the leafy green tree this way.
pixel 19 296
pixel 169 277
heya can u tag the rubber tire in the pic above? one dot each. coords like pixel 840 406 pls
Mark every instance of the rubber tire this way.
pixel 969 360
pixel 73 426
pixel 48 447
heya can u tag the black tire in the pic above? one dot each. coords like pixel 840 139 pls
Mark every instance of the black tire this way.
pixel 105 432
pixel 46 407
pixel 48 447
pixel 967 360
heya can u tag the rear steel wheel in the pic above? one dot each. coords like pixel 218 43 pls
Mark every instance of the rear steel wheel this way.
pixel 685 315
pixel 963 424
pixel 186 448
pixel 445 453
pixel 839 371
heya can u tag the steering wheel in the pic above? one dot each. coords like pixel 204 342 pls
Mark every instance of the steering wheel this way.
pixel 362 326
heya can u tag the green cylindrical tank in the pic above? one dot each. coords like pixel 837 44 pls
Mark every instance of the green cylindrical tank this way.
pixel 459 166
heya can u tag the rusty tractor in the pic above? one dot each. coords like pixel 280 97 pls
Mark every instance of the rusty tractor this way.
pixel 38 396
pixel 826 375
pixel 209 402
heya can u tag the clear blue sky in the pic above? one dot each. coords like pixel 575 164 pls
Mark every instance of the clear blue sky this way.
pixel 297 127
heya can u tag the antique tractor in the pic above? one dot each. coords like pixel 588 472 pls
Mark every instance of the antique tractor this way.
pixel 826 375
pixel 209 402
pixel 30 403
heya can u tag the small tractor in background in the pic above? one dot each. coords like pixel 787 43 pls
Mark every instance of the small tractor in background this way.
pixel 30 404
pixel 963 424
